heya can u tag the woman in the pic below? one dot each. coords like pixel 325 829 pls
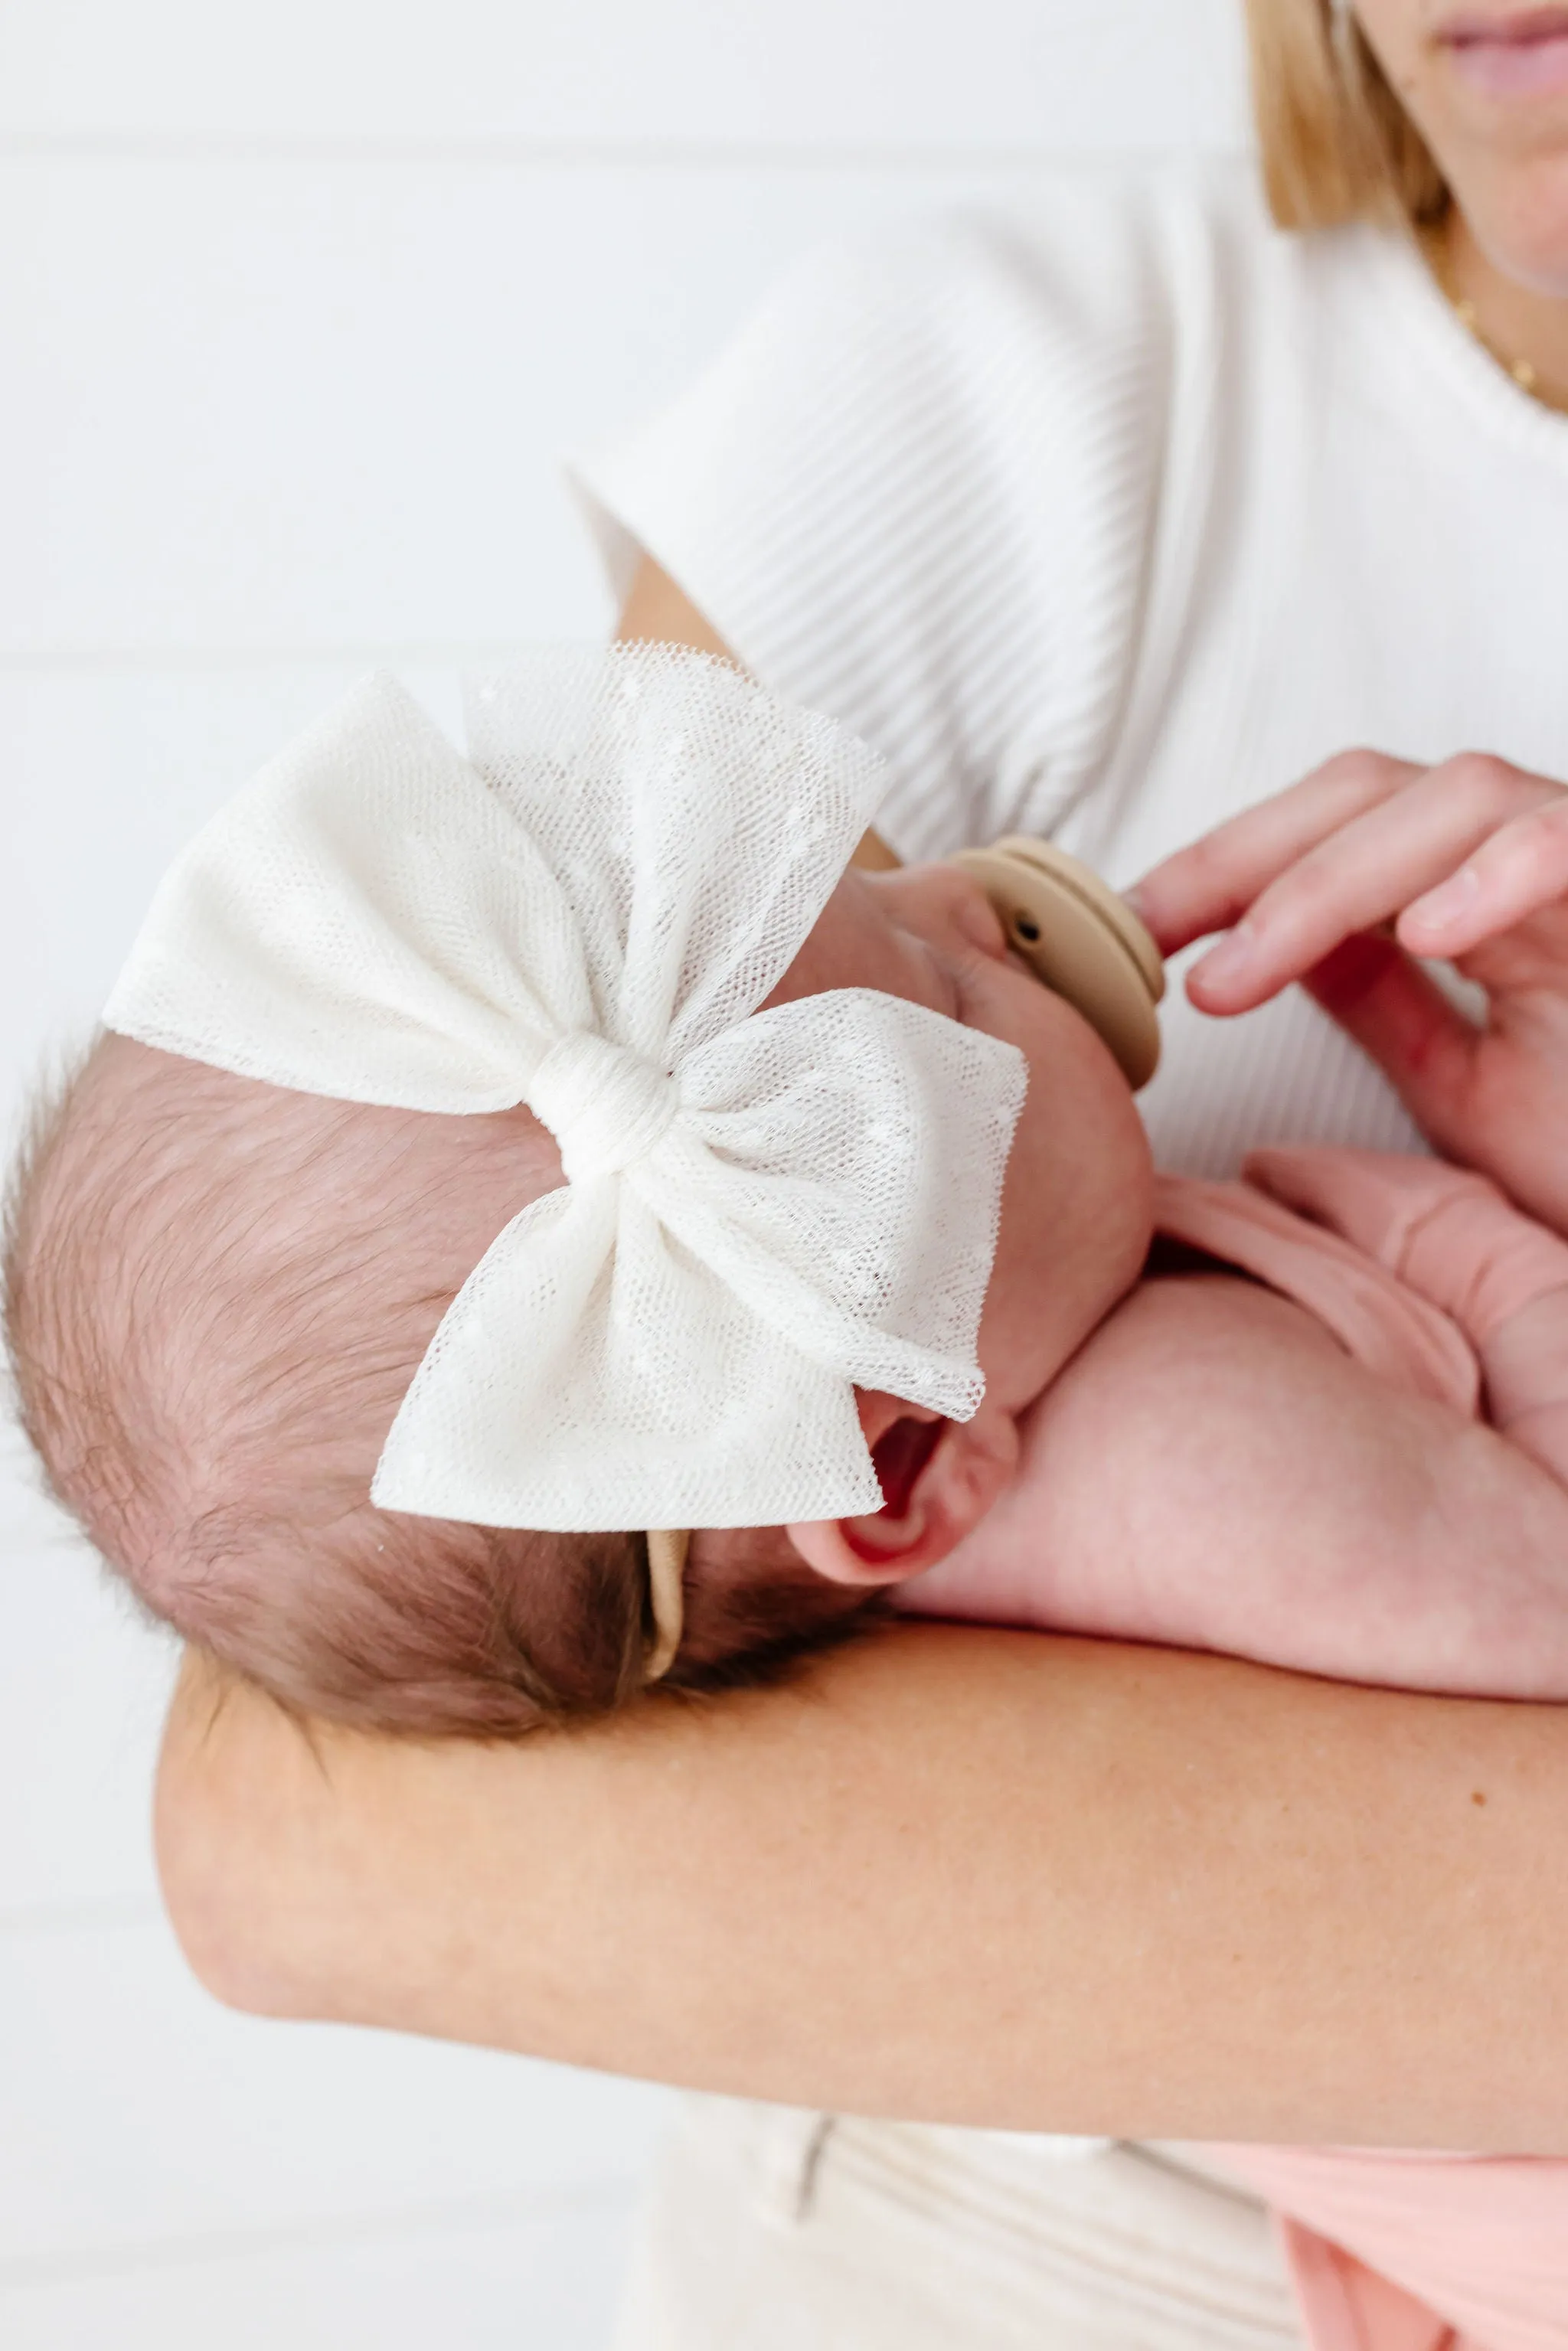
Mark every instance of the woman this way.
pixel 1106 519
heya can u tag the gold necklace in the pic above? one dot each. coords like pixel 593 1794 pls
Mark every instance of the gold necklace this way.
pixel 1524 372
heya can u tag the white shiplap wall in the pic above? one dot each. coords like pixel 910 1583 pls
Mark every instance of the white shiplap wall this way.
pixel 298 305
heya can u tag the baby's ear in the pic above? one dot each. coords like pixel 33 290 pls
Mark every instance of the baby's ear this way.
pixel 938 1479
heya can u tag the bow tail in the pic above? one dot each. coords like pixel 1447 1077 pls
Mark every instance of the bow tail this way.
pixel 592 1372
pixel 468 1434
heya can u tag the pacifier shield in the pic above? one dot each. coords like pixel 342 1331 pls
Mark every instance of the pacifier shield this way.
pixel 1080 940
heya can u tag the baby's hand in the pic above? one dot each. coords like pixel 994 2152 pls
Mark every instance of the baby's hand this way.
pixel 1369 862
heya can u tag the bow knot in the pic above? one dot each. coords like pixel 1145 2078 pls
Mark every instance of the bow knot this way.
pixel 605 1105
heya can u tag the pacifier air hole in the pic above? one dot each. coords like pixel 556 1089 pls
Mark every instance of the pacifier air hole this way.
pixel 1026 927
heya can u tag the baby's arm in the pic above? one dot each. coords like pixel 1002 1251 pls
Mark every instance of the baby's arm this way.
pixel 1213 1470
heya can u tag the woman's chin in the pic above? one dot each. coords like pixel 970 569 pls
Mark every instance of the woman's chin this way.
pixel 1522 227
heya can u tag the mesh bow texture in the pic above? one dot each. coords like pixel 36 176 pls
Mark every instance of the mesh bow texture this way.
pixel 763 1209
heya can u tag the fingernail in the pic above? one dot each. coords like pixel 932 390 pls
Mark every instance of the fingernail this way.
pixel 1445 904
pixel 1229 960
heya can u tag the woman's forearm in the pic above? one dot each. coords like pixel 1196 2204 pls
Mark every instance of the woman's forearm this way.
pixel 989 1878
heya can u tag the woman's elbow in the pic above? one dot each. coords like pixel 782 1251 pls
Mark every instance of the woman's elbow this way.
pixel 211 1839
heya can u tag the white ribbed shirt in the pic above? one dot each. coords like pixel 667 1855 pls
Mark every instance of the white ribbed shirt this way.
pixel 1105 517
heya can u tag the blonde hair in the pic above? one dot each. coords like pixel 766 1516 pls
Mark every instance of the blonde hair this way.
pixel 1337 145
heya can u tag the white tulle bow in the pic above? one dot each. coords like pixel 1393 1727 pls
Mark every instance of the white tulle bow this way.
pixel 763 1210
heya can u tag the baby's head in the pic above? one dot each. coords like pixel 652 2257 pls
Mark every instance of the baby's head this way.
pixel 218 1292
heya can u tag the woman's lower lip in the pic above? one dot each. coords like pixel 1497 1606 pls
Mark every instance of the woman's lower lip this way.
pixel 1517 68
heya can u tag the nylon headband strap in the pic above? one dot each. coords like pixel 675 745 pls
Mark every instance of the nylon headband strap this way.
pixel 668 1549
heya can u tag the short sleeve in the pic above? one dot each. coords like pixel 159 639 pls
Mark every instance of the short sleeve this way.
pixel 917 491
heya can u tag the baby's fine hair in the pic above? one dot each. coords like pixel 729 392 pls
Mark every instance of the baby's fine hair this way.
pixel 217 1294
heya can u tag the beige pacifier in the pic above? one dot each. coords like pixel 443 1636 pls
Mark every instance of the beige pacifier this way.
pixel 1079 938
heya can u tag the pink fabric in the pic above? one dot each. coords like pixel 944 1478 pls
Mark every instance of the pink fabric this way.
pixel 1447 1232
pixel 1431 1278
pixel 1453 1236
pixel 1391 1329
pixel 1394 2252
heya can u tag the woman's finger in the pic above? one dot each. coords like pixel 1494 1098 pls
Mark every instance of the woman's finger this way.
pixel 1514 873
pixel 1210 884
pixel 1402 1021
pixel 1367 872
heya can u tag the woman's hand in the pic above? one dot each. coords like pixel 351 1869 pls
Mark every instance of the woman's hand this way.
pixel 1370 863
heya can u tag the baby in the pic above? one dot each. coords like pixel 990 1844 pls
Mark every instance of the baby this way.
pixel 219 1291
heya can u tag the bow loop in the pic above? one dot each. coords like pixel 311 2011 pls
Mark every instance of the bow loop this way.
pixel 605 1106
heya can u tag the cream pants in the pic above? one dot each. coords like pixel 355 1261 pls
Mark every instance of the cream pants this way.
pixel 765 2229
